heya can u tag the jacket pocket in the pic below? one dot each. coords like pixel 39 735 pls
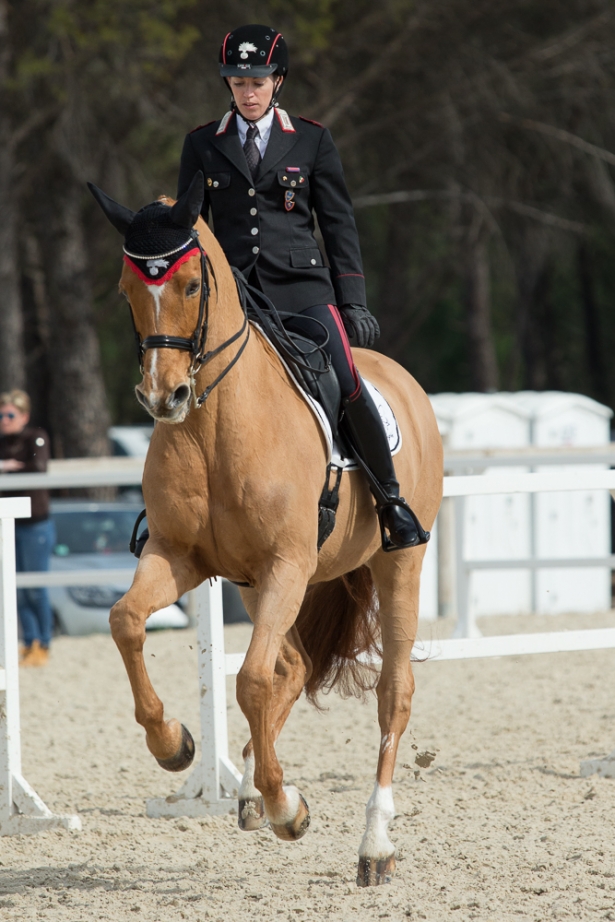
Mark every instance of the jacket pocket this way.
pixel 292 180
pixel 217 180
pixel 306 258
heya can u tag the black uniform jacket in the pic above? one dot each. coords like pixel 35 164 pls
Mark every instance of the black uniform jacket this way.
pixel 268 223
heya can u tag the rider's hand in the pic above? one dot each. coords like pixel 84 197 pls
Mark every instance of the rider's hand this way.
pixel 361 326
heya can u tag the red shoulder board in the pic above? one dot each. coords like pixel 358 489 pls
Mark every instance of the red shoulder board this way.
pixel 203 126
pixel 311 121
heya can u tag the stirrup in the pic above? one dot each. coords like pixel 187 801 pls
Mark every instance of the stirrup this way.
pixel 387 544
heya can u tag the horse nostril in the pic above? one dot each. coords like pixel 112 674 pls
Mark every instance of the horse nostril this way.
pixel 179 396
pixel 142 398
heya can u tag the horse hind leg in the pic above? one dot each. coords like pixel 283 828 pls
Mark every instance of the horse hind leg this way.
pixel 398 592
pixel 154 586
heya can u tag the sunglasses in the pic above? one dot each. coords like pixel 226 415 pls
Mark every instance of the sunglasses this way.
pixel 7 415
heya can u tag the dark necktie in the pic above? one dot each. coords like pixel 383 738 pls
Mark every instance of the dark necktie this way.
pixel 251 150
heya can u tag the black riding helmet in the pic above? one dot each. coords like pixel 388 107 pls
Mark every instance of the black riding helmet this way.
pixel 253 51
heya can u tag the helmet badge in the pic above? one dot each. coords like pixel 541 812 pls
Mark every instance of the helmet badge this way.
pixel 244 48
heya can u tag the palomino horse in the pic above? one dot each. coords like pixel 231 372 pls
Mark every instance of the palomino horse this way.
pixel 231 487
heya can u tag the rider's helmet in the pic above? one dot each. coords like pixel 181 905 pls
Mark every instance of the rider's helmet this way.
pixel 253 51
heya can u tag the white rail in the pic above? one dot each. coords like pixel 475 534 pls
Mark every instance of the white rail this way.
pixel 21 809
pixel 213 783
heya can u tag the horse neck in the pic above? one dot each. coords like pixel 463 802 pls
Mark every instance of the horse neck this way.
pixel 225 319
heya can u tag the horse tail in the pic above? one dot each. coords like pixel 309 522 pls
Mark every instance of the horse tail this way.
pixel 337 623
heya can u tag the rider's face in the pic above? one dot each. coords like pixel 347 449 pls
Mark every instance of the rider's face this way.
pixel 252 95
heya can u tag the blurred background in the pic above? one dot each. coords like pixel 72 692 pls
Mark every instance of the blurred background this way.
pixel 478 140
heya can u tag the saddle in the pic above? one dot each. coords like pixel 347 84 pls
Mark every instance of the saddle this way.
pixel 307 361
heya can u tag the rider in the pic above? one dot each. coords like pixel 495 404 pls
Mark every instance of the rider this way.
pixel 265 174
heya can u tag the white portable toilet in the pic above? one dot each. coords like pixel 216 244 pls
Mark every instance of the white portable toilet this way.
pixel 496 527
pixel 571 524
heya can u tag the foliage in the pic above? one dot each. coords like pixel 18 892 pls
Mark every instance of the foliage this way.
pixel 470 131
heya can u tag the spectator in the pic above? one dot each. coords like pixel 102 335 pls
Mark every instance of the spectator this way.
pixel 24 448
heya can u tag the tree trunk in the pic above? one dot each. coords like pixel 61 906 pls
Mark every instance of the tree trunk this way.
pixel 593 338
pixel 78 408
pixel 12 358
pixel 484 366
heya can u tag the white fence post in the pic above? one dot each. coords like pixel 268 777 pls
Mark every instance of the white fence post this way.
pixel 212 787
pixel 21 809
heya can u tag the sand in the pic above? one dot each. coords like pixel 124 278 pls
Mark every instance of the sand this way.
pixel 500 826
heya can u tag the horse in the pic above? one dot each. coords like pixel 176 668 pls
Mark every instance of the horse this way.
pixel 231 484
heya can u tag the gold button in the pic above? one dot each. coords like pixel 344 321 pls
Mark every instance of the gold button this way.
pixel 251 191
pixel 285 178
pixel 209 181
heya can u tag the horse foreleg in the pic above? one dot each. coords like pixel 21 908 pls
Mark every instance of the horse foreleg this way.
pixel 157 583
pixel 397 582
pixel 268 684
pixel 292 670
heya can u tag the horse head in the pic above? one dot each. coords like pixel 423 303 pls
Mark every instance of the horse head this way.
pixel 163 282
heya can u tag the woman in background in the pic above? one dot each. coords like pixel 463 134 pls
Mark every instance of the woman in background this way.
pixel 24 448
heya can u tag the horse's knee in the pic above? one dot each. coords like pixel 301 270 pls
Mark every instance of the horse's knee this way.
pixel 254 690
pixel 127 627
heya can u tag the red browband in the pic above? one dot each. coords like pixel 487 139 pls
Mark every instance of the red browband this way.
pixel 167 275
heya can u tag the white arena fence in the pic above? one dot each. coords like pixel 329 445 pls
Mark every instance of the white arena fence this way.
pixel 212 786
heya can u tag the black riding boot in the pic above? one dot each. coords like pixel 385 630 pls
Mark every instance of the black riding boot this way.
pixel 363 429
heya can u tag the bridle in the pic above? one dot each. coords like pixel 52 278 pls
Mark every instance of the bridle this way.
pixel 196 344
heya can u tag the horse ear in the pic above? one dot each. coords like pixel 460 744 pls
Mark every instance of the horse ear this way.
pixel 187 208
pixel 118 215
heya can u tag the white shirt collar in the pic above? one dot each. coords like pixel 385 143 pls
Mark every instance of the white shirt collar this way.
pixel 264 126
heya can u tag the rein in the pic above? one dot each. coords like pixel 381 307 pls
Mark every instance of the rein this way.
pixel 197 342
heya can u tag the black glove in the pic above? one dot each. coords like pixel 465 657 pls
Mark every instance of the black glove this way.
pixel 361 326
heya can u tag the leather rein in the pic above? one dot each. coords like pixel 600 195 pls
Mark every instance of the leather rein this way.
pixel 198 341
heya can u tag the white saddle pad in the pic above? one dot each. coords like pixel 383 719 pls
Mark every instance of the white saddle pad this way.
pixel 335 455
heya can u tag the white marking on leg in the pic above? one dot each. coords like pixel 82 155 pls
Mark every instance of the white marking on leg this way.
pixel 247 788
pixel 289 811
pixel 387 742
pixel 379 812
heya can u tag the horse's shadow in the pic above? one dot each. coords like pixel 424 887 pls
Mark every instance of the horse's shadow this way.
pixel 82 877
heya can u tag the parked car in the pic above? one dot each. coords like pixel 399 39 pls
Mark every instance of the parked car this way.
pixel 132 441
pixel 91 536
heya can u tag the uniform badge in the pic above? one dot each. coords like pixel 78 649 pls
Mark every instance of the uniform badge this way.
pixel 289 199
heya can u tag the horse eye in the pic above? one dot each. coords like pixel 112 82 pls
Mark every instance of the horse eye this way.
pixel 192 287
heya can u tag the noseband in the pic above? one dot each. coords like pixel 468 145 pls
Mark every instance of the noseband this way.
pixel 198 341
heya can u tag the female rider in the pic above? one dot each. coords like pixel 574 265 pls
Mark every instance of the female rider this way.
pixel 266 173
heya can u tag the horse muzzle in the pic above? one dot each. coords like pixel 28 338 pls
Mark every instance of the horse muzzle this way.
pixel 171 407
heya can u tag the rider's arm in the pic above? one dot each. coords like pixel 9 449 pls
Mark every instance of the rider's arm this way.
pixel 333 209
pixel 190 164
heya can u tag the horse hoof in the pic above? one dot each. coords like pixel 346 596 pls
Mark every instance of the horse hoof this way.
pixel 251 814
pixel 374 871
pixel 295 828
pixel 183 757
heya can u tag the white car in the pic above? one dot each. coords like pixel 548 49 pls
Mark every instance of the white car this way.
pixel 92 536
